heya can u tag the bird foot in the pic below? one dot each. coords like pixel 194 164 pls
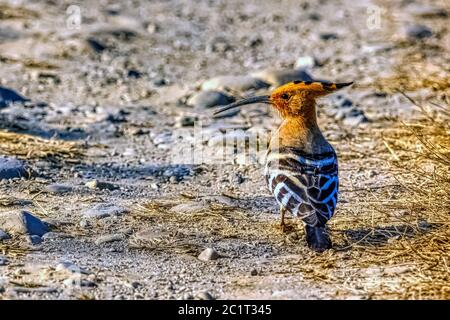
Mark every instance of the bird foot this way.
pixel 318 239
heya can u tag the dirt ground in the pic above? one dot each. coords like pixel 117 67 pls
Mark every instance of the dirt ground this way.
pixel 115 125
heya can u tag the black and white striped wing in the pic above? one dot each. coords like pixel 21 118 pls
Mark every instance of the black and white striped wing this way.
pixel 305 185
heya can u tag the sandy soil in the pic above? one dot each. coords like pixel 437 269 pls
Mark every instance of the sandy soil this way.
pixel 114 89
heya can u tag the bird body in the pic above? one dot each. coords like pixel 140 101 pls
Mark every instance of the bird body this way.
pixel 301 167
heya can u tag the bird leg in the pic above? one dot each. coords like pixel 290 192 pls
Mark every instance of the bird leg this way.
pixel 282 224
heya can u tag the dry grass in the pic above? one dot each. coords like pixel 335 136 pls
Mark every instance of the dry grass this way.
pixel 31 147
pixel 396 242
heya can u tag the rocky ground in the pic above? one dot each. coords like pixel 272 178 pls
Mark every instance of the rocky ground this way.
pixel 114 180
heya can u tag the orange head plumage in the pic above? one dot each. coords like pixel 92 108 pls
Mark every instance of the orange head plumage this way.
pixel 292 99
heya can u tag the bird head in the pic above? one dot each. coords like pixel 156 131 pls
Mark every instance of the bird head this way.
pixel 292 99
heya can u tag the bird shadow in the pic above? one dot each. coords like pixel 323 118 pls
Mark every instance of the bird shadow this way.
pixel 380 236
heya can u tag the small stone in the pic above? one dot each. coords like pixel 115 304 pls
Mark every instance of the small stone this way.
pixel 279 77
pixel 8 96
pixel 208 255
pixel 34 240
pixel 234 83
pixel 22 222
pixel 159 82
pixel 328 36
pixel 70 267
pixel 3 260
pixel 204 296
pixel 186 121
pixel 341 101
pixel 354 121
pixel 254 272
pixel 189 207
pixel 108 238
pixel 58 188
pixel 96 45
pixel 49 236
pixel 11 168
pixel 208 99
pixel 305 62
pixel 85 224
pixel 103 210
pixel 4 235
pixel 95 184
pixel 418 32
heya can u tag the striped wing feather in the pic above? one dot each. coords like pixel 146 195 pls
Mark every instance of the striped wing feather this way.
pixel 305 185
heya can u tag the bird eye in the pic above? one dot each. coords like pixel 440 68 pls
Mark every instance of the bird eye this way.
pixel 285 96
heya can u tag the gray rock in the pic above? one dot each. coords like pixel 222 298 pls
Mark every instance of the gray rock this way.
pixel 235 83
pixel 354 121
pixel 305 62
pixel 341 101
pixel 109 238
pixel 208 255
pixel 95 184
pixel 328 36
pixel 186 121
pixel 55 236
pixel 103 210
pixel 417 32
pixel 204 296
pixel 11 168
pixel 8 96
pixel 189 207
pixel 58 188
pixel 22 222
pixel 3 260
pixel 4 235
pixel 70 267
pixel 34 240
pixel 279 77
pixel 208 99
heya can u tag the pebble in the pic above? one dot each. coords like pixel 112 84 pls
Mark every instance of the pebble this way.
pixel 8 96
pixel 208 99
pixel 186 121
pixel 208 255
pixel 22 222
pixel 3 260
pixel 109 238
pixel 4 235
pixel 355 120
pixel 328 36
pixel 417 32
pixel 34 240
pixel 11 168
pixel 70 267
pixel 103 210
pixel 55 235
pixel 341 101
pixel 95 184
pixel 305 62
pixel 58 188
pixel 279 77
pixel 235 83
pixel 254 272
pixel 189 207
pixel 204 296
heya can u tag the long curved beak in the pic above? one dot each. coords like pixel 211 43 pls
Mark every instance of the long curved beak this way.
pixel 252 100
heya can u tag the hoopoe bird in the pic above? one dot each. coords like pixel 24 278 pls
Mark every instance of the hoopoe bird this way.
pixel 301 166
